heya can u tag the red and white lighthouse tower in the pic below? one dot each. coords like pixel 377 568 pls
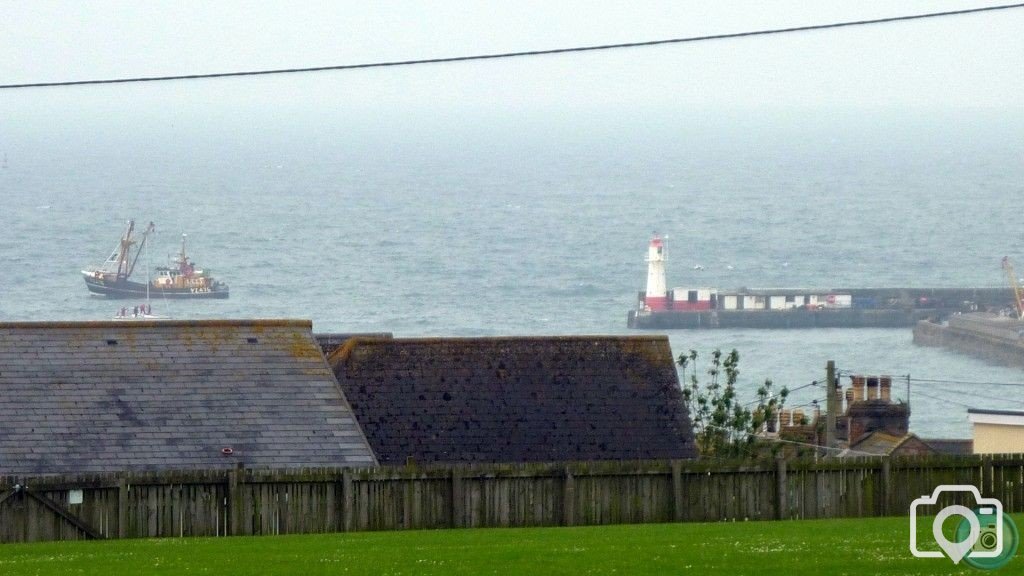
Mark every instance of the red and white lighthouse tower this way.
pixel 656 296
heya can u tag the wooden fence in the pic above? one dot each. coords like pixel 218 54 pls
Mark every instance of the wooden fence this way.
pixel 258 502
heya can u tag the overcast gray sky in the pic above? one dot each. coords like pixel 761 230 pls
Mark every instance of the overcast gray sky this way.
pixel 968 61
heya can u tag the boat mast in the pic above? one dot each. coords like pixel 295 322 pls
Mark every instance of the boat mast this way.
pixel 122 258
pixel 151 228
pixel 183 266
pixel 145 236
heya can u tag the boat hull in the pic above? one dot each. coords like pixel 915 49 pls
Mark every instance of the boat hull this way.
pixel 129 289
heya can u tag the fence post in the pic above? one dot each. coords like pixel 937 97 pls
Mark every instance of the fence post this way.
pixel 348 500
pixel 677 490
pixel 988 484
pixel 782 507
pixel 339 501
pixel 458 519
pixel 21 512
pixel 568 499
pixel 122 506
pixel 407 501
pixel 886 485
pixel 235 480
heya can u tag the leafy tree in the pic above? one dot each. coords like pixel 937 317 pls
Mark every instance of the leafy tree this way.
pixel 724 426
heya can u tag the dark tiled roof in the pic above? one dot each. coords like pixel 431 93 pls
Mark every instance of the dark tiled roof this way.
pixel 103 396
pixel 516 399
pixel 883 444
pixel 953 446
pixel 878 444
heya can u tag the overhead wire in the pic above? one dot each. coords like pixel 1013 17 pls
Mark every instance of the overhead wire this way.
pixel 788 391
pixel 943 387
pixel 966 382
pixel 783 441
pixel 517 54
pixel 943 384
pixel 983 396
pixel 814 402
pixel 874 373
pixel 941 398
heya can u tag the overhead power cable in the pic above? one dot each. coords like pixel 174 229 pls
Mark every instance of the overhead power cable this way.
pixel 814 402
pixel 941 398
pixel 812 383
pixel 822 447
pixel 520 54
pixel 929 381
pixel 871 374
pixel 966 382
pixel 973 394
pixel 794 442
pixel 788 391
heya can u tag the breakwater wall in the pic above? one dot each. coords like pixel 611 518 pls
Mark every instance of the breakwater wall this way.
pixel 992 338
pixel 794 318
pixel 944 297
pixel 872 308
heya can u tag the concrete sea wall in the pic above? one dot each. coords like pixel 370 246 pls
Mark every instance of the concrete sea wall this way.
pixel 997 340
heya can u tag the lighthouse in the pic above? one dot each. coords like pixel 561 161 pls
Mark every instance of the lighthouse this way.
pixel 656 297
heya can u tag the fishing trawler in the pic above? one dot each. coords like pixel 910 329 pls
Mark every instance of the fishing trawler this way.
pixel 182 280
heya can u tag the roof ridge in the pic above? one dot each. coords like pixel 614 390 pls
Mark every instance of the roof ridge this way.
pixel 513 338
pixel 218 323
pixel 885 435
pixel 341 353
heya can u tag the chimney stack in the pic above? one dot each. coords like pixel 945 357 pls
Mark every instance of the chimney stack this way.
pixel 858 389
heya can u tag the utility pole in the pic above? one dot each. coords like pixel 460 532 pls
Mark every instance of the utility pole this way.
pixel 832 404
pixel 908 392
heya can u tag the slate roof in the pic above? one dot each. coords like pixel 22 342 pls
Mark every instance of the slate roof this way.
pixel 882 444
pixel 516 399
pixel 148 395
pixel 955 446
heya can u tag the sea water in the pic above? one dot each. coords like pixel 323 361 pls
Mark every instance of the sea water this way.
pixel 538 224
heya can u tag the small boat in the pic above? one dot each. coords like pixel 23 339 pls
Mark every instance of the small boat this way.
pixel 141 312
pixel 182 280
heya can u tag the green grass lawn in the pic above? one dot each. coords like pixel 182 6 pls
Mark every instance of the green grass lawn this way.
pixel 855 547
